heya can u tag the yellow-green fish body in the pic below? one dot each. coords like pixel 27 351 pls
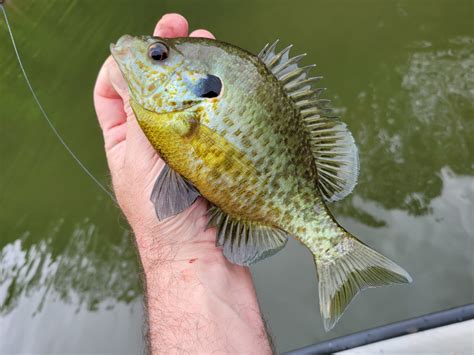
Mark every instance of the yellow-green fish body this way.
pixel 251 135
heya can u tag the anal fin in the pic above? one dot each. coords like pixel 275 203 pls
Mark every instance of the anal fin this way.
pixel 172 193
pixel 245 242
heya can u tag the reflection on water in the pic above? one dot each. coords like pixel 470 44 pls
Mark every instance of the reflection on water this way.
pixel 441 82
pixel 85 273
pixel 423 125
pixel 406 92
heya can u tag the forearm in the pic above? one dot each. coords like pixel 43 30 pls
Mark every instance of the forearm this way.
pixel 204 307
pixel 198 302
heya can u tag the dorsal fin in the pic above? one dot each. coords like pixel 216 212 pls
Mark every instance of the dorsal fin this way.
pixel 332 145
pixel 245 242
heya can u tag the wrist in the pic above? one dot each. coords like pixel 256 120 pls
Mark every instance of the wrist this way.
pixel 158 255
pixel 182 239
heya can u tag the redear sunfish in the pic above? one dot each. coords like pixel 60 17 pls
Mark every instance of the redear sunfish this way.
pixel 251 134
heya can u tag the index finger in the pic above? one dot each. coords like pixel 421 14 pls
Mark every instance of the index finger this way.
pixel 171 25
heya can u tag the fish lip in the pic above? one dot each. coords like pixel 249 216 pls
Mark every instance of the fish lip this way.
pixel 116 53
pixel 123 41
pixel 121 48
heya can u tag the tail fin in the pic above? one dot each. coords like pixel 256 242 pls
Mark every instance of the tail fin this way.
pixel 356 268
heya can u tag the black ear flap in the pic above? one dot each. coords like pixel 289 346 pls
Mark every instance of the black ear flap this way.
pixel 208 87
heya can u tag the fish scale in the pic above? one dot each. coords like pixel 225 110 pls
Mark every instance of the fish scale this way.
pixel 251 135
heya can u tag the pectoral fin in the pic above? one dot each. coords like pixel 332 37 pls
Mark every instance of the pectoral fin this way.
pixel 245 242
pixel 172 194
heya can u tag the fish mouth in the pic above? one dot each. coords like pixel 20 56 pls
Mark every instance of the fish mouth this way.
pixel 121 49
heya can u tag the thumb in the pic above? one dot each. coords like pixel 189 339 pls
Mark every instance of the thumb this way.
pixel 117 80
pixel 120 86
pixel 139 154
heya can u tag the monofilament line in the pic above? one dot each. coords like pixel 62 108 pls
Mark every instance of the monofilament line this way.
pixel 43 112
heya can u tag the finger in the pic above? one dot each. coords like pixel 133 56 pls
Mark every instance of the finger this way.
pixel 117 80
pixel 140 154
pixel 107 101
pixel 171 25
pixel 115 136
pixel 202 33
pixel 103 87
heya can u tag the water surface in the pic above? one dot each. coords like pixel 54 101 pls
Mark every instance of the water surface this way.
pixel 400 73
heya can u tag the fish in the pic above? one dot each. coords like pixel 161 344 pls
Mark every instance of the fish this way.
pixel 253 136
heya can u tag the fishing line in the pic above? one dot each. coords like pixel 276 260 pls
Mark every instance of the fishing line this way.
pixel 43 112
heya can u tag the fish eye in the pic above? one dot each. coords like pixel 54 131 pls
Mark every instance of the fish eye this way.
pixel 158 51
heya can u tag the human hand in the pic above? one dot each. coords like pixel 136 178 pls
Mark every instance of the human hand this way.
pixel 134 165
pixel 182 293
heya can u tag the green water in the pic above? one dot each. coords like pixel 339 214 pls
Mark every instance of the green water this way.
pixel 400 73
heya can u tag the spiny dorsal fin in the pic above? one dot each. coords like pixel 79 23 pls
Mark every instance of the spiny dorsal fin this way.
pixel 332 144
pixel 245 242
